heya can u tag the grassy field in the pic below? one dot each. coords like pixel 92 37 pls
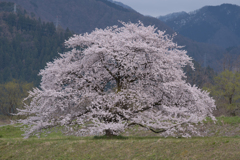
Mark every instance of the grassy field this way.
pixel 57 146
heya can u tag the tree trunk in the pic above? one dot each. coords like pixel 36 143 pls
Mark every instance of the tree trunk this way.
pixel 109 133
pixel 230 100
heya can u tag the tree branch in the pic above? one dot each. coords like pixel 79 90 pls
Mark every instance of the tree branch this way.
pixel 149 128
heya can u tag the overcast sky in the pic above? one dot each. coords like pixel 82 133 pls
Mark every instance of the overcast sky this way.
pixel 162 7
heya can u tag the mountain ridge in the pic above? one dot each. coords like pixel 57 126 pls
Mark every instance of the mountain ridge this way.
pixel 217 25
pixel 121 4
pixel 171 16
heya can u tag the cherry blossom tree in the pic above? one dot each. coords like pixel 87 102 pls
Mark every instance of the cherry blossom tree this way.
pixel 113 79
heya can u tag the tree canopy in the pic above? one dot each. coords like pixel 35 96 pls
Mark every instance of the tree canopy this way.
pixel 226 92
pixel 11 95
pixel 114 78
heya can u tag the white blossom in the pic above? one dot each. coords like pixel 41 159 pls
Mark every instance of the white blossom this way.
pixel 113 79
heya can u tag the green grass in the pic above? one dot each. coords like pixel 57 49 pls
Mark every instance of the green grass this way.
pixel 225 120
pixel 229 120
pixel 10 131
pixel 130 148
pixel 59 147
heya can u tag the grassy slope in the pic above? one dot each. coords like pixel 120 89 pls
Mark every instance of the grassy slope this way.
pixel 57 146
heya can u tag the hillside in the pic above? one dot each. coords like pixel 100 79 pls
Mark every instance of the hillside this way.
pixel 26 45
pixel 86 15
pixel 218 25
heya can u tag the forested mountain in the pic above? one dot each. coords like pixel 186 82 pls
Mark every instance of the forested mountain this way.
pixel 26 45
pixel 217 25
pixel 85 15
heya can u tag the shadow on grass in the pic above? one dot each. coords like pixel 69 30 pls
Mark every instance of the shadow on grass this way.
pixel 110 137
pixel 127 138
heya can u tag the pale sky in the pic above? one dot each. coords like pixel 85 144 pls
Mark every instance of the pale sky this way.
pixel 162 7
